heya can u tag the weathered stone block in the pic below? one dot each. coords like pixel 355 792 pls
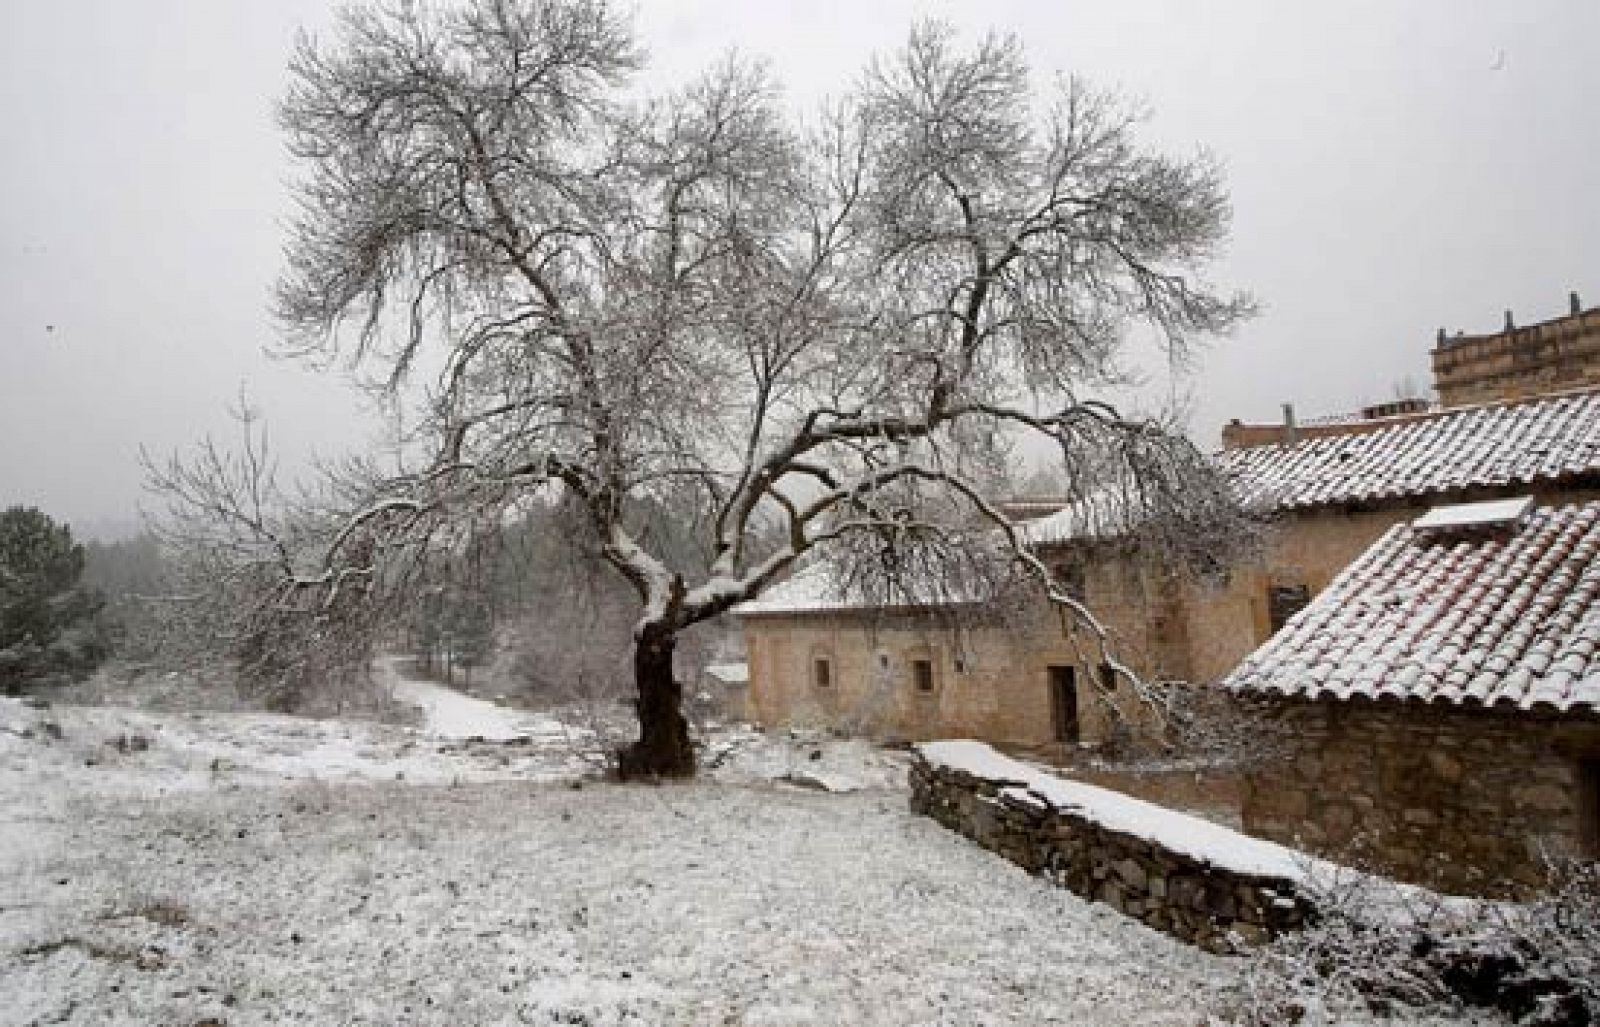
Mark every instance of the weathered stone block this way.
pixel 1250 934
pixel 1131 873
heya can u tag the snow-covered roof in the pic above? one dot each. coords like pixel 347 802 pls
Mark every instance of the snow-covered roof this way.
pixel 1505 445
pixel 1100 515
pixel 817 588
pixel 730 673
pixel 1507 618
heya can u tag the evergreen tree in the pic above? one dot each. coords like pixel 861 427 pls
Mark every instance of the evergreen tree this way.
pixel 49 620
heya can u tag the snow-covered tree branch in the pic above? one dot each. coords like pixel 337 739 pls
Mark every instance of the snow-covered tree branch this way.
pixel 796 329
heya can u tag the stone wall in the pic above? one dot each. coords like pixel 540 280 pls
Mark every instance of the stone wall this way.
pixel 1465 801
pixel 1227 619
pixel 1555 355
pixel 1214 907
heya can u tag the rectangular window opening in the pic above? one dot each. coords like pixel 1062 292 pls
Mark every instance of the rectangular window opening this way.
pixel 822 672
pixel 922 674
pixel 1284 601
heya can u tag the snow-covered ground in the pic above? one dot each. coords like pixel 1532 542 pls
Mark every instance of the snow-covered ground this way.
pixel 258 869
pixel 448 713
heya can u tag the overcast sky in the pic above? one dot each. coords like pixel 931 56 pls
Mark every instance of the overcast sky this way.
pixel 1395 167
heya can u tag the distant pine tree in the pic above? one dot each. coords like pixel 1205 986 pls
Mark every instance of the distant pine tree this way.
pixel 49 620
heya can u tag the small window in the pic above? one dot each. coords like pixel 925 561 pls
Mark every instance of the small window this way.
pixel 922 674
pixel 1108 677
pixel 960 663
pixel 822 672
pixel 883 660
pixel 1284 601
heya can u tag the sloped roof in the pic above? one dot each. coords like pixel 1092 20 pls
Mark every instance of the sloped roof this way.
pixel 1506 445
pixel 729 673
pixel 1100 515
pixel 817 588
pixel 1494 617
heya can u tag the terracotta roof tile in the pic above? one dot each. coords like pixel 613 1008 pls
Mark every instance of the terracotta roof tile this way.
pixel 1502 617
pixel 1505 445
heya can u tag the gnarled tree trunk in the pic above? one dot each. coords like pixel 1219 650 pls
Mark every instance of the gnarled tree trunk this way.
pixel 663 748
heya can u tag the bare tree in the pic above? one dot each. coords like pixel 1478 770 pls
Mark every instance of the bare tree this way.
pixel 803 332
pixel 236 547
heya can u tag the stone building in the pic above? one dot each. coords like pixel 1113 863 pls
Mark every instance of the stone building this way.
pixel 1020 678
pixel 1331 497
pixel 1441 700
pixel 1031 681
pixel 1562 353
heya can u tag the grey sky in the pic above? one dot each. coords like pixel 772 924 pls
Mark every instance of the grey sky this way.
pixel 1395 167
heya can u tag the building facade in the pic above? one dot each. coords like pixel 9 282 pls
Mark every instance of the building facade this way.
pixel 1439 703
pixel 1559 354
pixel 1034 682
pixel 1028 679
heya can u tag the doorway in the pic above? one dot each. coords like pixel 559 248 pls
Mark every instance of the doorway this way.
pixel 1064 704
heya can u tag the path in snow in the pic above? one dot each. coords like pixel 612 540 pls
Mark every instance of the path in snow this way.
pixel 448 713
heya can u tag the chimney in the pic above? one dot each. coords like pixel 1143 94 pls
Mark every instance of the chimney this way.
pixel 1510 325
pixel 1577 304
pixel 1291 434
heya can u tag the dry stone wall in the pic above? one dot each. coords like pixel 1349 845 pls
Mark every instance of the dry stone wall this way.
pixel 1215 907
pixel 1471 802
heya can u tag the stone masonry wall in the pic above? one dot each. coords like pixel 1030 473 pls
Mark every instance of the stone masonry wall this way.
pixel 1468 802
pixel 1213 907
pixel 990 681
pixel 1563 353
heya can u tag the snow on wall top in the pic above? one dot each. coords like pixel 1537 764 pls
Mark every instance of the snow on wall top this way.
pixel 1509 619
pixel 1198 839
pixel 1500 445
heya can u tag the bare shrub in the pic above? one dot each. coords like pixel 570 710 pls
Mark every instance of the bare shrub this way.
pixel 1378 950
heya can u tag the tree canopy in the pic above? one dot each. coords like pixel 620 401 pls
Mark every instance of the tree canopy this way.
pixel 48 619
pixel 795 332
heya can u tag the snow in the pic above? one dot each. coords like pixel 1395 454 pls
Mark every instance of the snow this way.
pixel 251 897
pixel 1507 620
pixel 1522 443
pixel 1102 514
pixel 730 673
pixel 448 713
pixel 805 759
pixel 819 587
pixel 141 754
pixel 1490 513
pixel 1192 836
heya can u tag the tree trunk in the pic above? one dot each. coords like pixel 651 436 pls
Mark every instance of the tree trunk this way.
pixel 663 748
